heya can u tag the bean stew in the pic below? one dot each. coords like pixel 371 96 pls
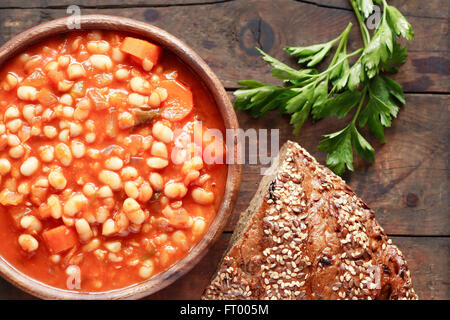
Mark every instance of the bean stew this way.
pixel 103 182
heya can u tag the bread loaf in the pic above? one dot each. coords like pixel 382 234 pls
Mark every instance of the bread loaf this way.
pixel 306 235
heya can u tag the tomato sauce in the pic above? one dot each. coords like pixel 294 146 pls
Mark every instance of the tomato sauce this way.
pixel 93 194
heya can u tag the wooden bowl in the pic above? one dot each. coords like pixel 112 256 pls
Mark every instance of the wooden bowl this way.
pixel 201 69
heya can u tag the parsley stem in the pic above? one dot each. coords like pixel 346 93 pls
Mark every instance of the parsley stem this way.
pixel 342 43
pixel 361 102
pixel 364 32
pixel 341 60
pixel 316 78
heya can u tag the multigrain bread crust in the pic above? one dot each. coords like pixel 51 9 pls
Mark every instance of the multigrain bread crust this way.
pixel 306 235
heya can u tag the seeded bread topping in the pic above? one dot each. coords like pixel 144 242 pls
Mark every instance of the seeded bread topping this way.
pixel 306 235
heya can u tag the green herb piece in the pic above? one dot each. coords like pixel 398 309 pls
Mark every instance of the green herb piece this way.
pixel 341 88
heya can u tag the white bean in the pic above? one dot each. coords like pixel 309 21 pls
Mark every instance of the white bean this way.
pixel 74 204
pixel 135 99
pixel 28 242
pixel 47 153
pixel 175 190
pixel 125 120
pixel 131 189
pixel 98 46
pixel 201 196
pixel 29 166
pixel 147 64
pixel 133 211
pixel 31 223
pixel 5 166
pixel 156 181
pixel 75 71
pixel 129 173
pixel 89 189
pixel 159 149
pixel 68 111
pixel 111 179
pixel 57 180
pixel 78 149
pixel 109 227
pixel 55 206
pixel 101 62
pixel 198 227
pixel 29 112
pixel 154 100
pixel 121 74
pixel 14 125
pixel 157 163
pixel 63 154
pixel 66 99
pixel 27 93
pixel 90 137
pixel 130 205
pixel 50 132
pixel 146 270
pixel 162 132
pixel 114 163
pixel 139 85
pixel 13 140
pixel 104 192
pixel 12 112
pixel 117 55
pixel 83 229
pixel 113 246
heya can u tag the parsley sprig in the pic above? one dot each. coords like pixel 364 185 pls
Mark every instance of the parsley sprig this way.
pixel 341 87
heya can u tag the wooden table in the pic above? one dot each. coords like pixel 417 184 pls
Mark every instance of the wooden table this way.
pixel 407 186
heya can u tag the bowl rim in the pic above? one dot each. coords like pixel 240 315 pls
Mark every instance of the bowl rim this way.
pixel 190 58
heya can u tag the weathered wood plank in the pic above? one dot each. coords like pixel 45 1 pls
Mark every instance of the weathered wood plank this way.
pixel 428 260
pixel 101 3
pixel 407 186
pixel 225 35
pixel 431 8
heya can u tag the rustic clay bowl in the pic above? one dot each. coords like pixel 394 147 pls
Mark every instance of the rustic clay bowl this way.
pixel 199 67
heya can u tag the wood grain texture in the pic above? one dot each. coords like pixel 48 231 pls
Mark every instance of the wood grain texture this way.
pixel 226 111
pixel 229 46
pixel 427 259
pixel 407 186
pixel 46 4
pixel 430 8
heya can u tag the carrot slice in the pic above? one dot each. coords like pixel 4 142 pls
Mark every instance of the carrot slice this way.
pixel 37 79
pixel 141 49
pixel 179 102
pixel 60 239
pixel 99 100
pixel 46 97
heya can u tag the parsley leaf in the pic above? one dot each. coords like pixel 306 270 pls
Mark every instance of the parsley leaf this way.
pixel 362 146
pixel 362 87
pixel 262 98
pixel 338 106
pixel 338 145
pixel 282 71
pixel 311 54
pixel 397 57
pixel 384 96
pixel 366 7
pixel 398 23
